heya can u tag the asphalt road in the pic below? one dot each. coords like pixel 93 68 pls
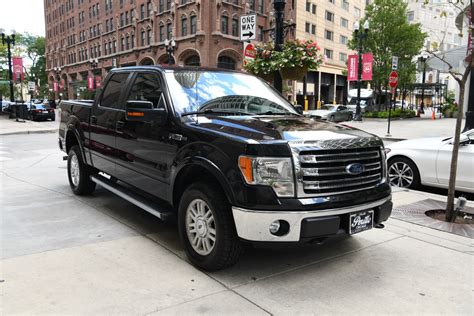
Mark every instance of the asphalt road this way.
pixel 101 255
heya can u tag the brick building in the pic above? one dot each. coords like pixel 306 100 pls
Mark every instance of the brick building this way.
pixel 122 33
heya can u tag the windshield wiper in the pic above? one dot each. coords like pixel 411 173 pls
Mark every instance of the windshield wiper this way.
pixel 214 112
pixel 276 113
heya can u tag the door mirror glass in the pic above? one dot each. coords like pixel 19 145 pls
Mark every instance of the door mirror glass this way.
pixel 143 111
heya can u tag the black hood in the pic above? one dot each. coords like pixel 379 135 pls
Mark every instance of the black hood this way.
pixel 277 128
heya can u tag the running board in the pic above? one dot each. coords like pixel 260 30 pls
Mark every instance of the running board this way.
pixel 153 208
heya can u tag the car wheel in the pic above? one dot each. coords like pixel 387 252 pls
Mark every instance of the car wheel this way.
pixel 79 173
pixel 403 173
pixel 53 118
pixel 350 117
pixel 332 118
pixel 206 227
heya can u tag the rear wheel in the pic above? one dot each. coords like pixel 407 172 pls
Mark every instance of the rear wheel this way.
pixel 79 173
pixel 403 173
pixel 332 118
pixel 206 227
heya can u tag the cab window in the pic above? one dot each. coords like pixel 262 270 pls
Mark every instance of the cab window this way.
pixel 111 96
pixel 147 87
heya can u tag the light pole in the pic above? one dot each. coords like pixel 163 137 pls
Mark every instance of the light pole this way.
pixel 10 40
pixel 279 6
pixel 170 47
pixel 94 64
pixel 422 60
pixel 360 36
pixel 57 72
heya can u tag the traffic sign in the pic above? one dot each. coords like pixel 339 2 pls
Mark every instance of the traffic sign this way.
pixel 31 86
pixel 248 27
pixel 393 79
pixel 249 52
pixel 394 63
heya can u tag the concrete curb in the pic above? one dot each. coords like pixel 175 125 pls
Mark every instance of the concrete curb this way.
pixel 30 132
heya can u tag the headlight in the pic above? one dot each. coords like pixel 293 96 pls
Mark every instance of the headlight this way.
pixel 274 172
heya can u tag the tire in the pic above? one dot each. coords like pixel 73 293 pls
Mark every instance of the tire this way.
pixel 403 173
pixel 79 173
pixel 53 118
pixel 350 117
pixel 332 118
pixel 204 214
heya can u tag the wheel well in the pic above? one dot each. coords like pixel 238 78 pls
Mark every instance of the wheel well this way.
pixel 71 140
pixel 189 175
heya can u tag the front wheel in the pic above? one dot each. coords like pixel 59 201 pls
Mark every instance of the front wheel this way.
pixel 403 173
pixel 79 173
pixel 206 227
pixel 350 117
pixel 332 118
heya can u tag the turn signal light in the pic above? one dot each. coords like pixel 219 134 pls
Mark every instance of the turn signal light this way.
pixel 245 165
pixel 135 114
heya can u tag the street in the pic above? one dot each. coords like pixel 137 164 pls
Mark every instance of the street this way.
pixel 99 254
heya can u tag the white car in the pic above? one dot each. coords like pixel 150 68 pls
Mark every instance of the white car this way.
pixel 427 161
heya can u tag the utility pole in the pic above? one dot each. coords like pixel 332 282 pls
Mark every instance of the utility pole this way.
pixel 279 6
pixel 10 40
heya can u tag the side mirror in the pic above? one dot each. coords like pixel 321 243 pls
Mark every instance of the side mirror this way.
pixel 143 111
pixel 463 141
pixel 299 109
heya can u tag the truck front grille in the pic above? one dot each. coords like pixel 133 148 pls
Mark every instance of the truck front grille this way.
pixel 324 172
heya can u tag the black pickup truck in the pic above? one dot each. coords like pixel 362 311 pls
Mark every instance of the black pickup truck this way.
pixel 227 157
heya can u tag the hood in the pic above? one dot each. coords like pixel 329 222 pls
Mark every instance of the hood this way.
pixel 276 128
pixel 318 112
pixel 419 143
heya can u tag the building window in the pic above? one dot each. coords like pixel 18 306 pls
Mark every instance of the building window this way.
pixel 260 34
pixel 313 29
pixel 410 16
pixel 313 8
pixel 343 40
pixel 193 61
pixel 235 27
pixel 342 57
pixel 226 62
pixel 169 31
pixel 328 53
pixel 332 1
pixel 148 8
pixel 344 23
pixel 168 4
pixel 329 35
pixel 193 23
pixel 307 27
pixel 148 37
pixel 357 12
pixel 308 6
pixel 162 33
pixel 261 8
pixel 224 25
pixel 329 16
pixel 122 44
pixel 161 6
pixel 133 40
pixel 345 4
pixel 184 26
pixel 126 18
pixel 142 38
pixel 142 11
pixel 122 19
pixel 127 42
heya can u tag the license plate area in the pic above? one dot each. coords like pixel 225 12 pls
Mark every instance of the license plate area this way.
pixel 361 221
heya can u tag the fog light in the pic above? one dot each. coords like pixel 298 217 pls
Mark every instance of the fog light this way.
pixel 274 227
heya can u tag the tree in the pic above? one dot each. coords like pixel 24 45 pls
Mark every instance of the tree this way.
pixel 461 78
pixel 390 35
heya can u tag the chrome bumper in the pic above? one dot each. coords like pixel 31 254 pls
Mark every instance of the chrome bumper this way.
pixel 253 225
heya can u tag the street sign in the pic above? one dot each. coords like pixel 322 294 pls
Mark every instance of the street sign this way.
pixel 393 79
pixel 31 86
pixel 248 27
pixel 394 63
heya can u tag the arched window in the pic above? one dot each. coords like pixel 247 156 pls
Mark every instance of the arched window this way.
pixel 184 25
pixel 192 61
pixel 226 62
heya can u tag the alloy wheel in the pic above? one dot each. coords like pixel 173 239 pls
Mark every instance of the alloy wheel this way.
pixel 200 227
pixel 400 174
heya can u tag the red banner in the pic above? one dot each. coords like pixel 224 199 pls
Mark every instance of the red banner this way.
pixel 55 86
pixel 18 69
pixel 352 64
pixel 98 82
pixel 90 83
pixel 367 60
pixel 61 84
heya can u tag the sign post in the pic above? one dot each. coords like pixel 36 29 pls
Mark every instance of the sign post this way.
pixel 248 27
pixel 393 82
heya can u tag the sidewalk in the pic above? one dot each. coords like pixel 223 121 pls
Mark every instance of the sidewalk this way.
pixel 12 127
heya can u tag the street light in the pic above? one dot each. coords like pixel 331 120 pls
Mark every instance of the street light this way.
pixel 10 40
pixel 57 72
pixel 170 47
pixel 94 64
pixel 360 36
pixel 422 59
pixel 279 6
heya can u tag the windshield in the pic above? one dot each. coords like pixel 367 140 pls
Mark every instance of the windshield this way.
pixel 328 107
pixel 236 93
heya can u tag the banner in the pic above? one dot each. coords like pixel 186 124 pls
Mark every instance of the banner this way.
pixel 367 60
pixel 18 74
pixel 55 86
pixel 61 84
pixel 90 83
pixel 352 67
pixel 98 82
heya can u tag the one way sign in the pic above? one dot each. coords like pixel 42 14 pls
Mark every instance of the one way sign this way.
pixel 248 27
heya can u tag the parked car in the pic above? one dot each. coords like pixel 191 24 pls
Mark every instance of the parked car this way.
pixel 333 113
pixel 427 161
pixel 40 111
pixel 227 156
pixel 6 106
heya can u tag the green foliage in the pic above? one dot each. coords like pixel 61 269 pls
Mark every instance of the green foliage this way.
pixel 396 113
pixel 390 35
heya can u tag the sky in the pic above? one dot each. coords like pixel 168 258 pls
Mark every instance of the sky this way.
pixel 22 16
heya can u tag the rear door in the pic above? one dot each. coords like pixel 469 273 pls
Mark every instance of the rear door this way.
pixel 147 148
pixel 104 117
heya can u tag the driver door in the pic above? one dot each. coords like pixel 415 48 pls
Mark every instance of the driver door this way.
pixel 465 169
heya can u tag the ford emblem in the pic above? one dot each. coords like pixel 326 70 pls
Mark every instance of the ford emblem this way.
pixel 355 168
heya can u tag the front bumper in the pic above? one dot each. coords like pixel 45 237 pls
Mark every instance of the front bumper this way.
pixel 253 225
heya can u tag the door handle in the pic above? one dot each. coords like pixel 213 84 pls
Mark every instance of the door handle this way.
pixel 94 119
pixel 119 125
